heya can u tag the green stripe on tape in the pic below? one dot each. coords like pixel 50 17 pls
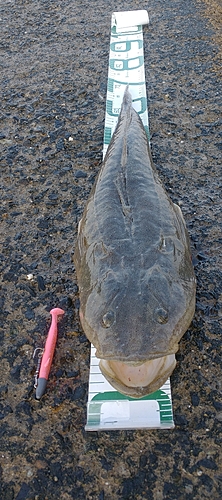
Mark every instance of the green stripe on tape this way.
pixel 163 400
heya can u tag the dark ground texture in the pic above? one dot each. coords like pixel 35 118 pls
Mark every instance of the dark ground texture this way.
pixel 54 75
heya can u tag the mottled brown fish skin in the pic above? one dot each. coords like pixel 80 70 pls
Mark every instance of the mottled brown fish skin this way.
pixel 132 258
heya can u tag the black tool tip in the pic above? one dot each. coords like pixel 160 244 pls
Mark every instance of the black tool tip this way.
pixel 41 387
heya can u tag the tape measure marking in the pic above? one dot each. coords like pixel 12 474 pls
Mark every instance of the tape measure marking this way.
pixel 126 67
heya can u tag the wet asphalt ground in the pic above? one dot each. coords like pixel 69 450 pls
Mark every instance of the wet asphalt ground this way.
pixel 53 89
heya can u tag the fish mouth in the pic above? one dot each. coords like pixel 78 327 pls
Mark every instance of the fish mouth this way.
pixel 138 379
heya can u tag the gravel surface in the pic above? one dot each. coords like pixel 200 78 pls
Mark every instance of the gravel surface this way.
pixel 54 75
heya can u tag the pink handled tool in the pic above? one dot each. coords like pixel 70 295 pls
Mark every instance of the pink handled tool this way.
pixel 47 356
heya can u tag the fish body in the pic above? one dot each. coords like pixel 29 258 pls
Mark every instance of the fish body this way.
pixel 133 263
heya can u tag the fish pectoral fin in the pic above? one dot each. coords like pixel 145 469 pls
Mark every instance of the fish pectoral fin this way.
pixel 181 225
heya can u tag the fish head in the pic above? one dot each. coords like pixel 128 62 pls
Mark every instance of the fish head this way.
pixel 135 319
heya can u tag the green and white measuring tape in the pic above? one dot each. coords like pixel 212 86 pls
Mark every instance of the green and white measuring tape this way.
pixel 107 409
pixel 126 67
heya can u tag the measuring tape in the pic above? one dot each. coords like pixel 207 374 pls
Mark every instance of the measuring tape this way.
pixel 108 409
pixel 126 67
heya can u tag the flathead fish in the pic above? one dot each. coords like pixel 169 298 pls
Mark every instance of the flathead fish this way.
pixel 133 263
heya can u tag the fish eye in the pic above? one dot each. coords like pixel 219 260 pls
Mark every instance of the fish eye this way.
pixel 161 315
pixel 108 319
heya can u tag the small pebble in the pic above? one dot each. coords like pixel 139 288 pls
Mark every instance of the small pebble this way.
pixel 30 277
pixel 80 174
pixel 41 284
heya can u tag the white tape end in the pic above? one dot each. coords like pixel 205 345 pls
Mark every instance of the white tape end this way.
pixel 131 18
